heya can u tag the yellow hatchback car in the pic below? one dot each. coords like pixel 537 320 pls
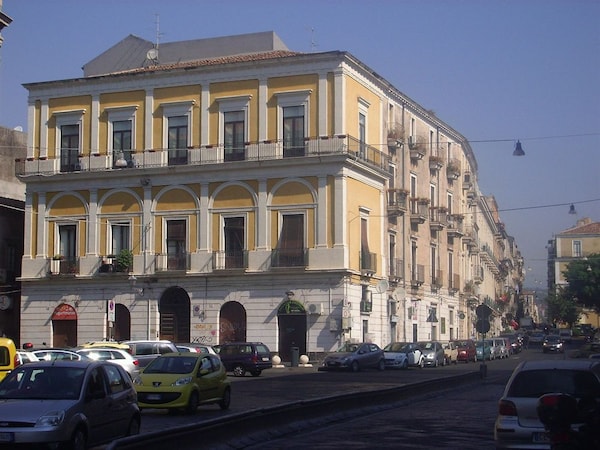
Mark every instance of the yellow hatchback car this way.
pixel 183 381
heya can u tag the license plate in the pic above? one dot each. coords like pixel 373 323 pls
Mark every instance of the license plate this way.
pixel 6 437
pixel 540 438
pixel 153 396
pixel 265 359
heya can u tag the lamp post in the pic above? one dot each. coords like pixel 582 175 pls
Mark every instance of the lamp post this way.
pixel 140 291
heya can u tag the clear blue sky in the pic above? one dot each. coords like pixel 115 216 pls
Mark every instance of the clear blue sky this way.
pixel 493 70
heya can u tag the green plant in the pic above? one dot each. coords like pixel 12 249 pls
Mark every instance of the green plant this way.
pixel 124 260
pixel 57 257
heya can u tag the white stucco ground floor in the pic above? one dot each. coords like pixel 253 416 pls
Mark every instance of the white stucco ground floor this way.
pixel 313 312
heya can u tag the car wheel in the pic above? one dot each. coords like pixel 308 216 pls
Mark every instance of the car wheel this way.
pixel 405 364
pixel 421 363
pixel 354 366
pixel 78 440
pixel 436 363
pixel 134 427
pixel 381 365
pixel 226 399
pixel 239 371
pixel 256 373
pixel 193 402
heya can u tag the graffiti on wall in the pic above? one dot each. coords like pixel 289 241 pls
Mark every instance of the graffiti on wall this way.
pixel 204 333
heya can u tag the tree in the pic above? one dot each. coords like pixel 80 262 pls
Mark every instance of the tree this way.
pixel 562 308
pixel 583 277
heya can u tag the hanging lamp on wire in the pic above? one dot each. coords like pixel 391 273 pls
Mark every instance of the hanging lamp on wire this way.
pixel 572 209
pixel 518 150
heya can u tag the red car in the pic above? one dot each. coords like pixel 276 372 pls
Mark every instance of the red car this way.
pixel 466 350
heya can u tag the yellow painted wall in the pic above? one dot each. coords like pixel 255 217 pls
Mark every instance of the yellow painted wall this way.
pixel 67 206
pixel 181 202
pixel 116 100
pixel 121 204
pixel 174 95
pixel 354 91
pixel 68 104
pixel 233 89
pixel 290 84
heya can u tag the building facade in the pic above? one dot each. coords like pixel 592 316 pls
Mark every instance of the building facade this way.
pixel 249 193
pixel 573 244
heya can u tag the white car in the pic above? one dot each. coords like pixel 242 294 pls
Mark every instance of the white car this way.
pixel 115 356
pixel 195 348
pixel 26 357
pixel 396 352
pixel 57 354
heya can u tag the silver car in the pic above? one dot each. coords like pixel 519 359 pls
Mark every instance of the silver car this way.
pixel 115 356
pixel 74 404
pixel 517 424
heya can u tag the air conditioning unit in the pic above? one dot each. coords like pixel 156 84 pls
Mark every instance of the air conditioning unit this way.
pixel 315 309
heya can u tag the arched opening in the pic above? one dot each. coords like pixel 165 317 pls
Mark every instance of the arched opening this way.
pixel 291 316
pixel 122 327
pixel 175 312
pixel 64 326
pixel 232 323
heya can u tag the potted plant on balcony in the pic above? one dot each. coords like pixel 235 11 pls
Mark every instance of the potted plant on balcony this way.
pixel 435 162
pixel 124 261
pixel 395 136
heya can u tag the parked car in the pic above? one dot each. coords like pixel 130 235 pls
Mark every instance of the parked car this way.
pixel 71 404
pixel 501 347
pixel 183 381
pixel 411 351
pixel 466 350
pixel 484 350
pixel 355 356
pixel 26 357
pixel 587 349
pixel 451 352
pixel 8 356
pixel 517 424
pixel 242 357
pixel 115 356
pixel 145 351
pixel 536 337
pixel 433 354
pixel 57 354
pixel 195 348
pixel 553 343
pixel 106 344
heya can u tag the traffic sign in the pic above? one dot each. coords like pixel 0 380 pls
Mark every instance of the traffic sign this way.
pixel 482 326
pixel 483 311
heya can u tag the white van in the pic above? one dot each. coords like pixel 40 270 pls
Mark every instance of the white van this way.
pixel 500 349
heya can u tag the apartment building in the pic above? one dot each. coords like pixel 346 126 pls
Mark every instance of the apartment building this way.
pixel 232 189
pixel 569 245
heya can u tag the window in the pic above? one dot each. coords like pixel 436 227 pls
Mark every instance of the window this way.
pixel 67 245
pixel 69 148
pixel 290 248
pixel 577 252
pixel 362 133
pixel 435 281
pixel 413 194
pixel 121 142
pixel 177 140
pixel 366 300
pixel 176 244
pixel 293 131
pixel 367 259
pixel 233 233
pixel 234 133
pixel 120 237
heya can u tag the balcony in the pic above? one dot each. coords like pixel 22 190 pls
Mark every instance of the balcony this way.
pixel 206 155
pixel 453 283
pixel 367 262
pixel 230 260
pixel 438 218
pixel 65 265
pixel 417 148
pixel 419 210
pixel 397 201
pixel 417 276
pixel 289 258
pixel 396 270
pixel 455 225
pixel 437 281
pixel 435 163
pixel 453 169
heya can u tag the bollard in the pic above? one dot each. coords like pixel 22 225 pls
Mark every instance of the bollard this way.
pixel 295 356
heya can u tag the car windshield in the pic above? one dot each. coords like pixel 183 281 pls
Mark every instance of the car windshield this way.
pixel 428 346
pixel 462 343
pixel 535 383
pixel 397 347
pixel 172 364
pixel 348 347
pixel 31 382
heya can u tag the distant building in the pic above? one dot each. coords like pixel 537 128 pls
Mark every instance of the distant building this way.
pixel 571 245
pixel 12 205
pixel 231 189
pixel 4 22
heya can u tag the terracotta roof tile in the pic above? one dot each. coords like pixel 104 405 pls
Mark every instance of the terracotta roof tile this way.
pixel 590 228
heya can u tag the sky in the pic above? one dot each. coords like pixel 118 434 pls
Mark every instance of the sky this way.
pixel 496 71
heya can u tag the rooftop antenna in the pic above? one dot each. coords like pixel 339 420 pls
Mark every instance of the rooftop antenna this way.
pixel 152 55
